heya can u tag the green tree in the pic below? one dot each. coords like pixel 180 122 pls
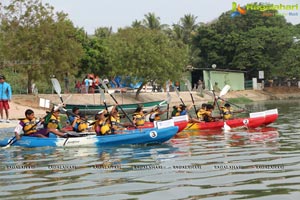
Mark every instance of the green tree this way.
pixel 136 24
pixel 37 41
pixel 289 65
pixel 153 22
pixel 146 55
pixel 95 56
pixel 103 32
pixel 249 42
pixel 189 26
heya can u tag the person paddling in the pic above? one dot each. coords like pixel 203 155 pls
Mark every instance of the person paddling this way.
pixel 30 128
pixel 156 113
pixel 139 116
pixel 228 112
pixel 102 125
pixel 201 112
pixel 208 114
pixel 53 121
pixel 80 123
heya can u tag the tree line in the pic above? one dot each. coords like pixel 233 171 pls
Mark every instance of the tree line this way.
pixel 36 43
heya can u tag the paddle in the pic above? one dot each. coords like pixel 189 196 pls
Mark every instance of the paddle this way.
pixel 188 84
pixel 102 97
pixel 10 142
pixel 177 92
pixel 106 88
pixel 168 105
pixel 57 88
pixel 223 92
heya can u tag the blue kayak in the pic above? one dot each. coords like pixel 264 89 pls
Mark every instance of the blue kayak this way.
pixel 137 136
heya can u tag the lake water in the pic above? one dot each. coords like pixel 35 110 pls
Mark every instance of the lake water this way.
pixel 243 164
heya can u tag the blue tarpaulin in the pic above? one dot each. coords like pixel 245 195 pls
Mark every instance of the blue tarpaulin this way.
pixel 118 82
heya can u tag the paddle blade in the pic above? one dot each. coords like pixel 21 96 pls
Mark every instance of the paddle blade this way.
pixel 188 85
pixel 102 95
pixel 226 127
pixel 168 98
pixel 105 86
pixel 56 85
pixel 177 92
pixel 224 91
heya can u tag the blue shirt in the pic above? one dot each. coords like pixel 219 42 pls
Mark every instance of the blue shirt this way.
pixel 184 112
pixel 5 91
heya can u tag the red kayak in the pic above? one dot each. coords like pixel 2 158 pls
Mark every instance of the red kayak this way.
pixel 255 120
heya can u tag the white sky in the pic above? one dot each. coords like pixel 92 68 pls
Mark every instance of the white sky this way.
pixel 91 14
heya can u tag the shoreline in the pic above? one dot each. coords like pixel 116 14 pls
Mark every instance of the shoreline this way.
pixel 20 103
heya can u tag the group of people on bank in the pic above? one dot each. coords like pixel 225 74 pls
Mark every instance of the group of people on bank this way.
pixel 108 122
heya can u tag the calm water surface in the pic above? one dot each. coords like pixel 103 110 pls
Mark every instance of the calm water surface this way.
pixel 243 164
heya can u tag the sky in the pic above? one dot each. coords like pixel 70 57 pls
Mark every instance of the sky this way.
pixel 92 14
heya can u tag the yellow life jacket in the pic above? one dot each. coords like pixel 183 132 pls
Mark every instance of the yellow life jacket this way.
pixel 29 127
pixel 81 125
pixel 227 114
pixel 97 126
pixel 54 122
pixel 208 117
pixel 105 129
pixel 178 112
pixel 116 122
pixel 116 118
pixel 140 119
pixel 200 114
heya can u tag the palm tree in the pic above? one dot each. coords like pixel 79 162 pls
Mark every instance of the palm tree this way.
pixel 103 32
pixel 153 22
pixel 136 24
pixel 188 25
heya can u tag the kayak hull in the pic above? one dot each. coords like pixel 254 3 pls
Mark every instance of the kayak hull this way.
pixel 137 136
pixel 128 108
pixel 255 120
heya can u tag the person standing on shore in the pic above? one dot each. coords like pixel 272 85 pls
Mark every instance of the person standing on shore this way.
pixel 5 97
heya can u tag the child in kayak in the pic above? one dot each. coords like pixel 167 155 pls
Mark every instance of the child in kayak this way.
pixel 31 128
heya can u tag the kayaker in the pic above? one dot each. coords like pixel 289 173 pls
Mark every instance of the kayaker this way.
pixel 228 112
pixel 156 113
pixel 201 112
pixel 80 123
pixel 208 114
pixel 115 118
pixel 181 110
pixel 53 121
pixel 75 113
pixel 30 127
pixel 175 111
pixel 139 116
pixel 102 124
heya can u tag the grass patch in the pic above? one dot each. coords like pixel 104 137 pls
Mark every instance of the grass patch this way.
pixel 241 100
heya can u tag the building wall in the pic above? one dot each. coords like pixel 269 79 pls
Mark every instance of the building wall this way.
pixel 234 79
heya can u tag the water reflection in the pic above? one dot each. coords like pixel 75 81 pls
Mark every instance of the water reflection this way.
pixel 240 164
